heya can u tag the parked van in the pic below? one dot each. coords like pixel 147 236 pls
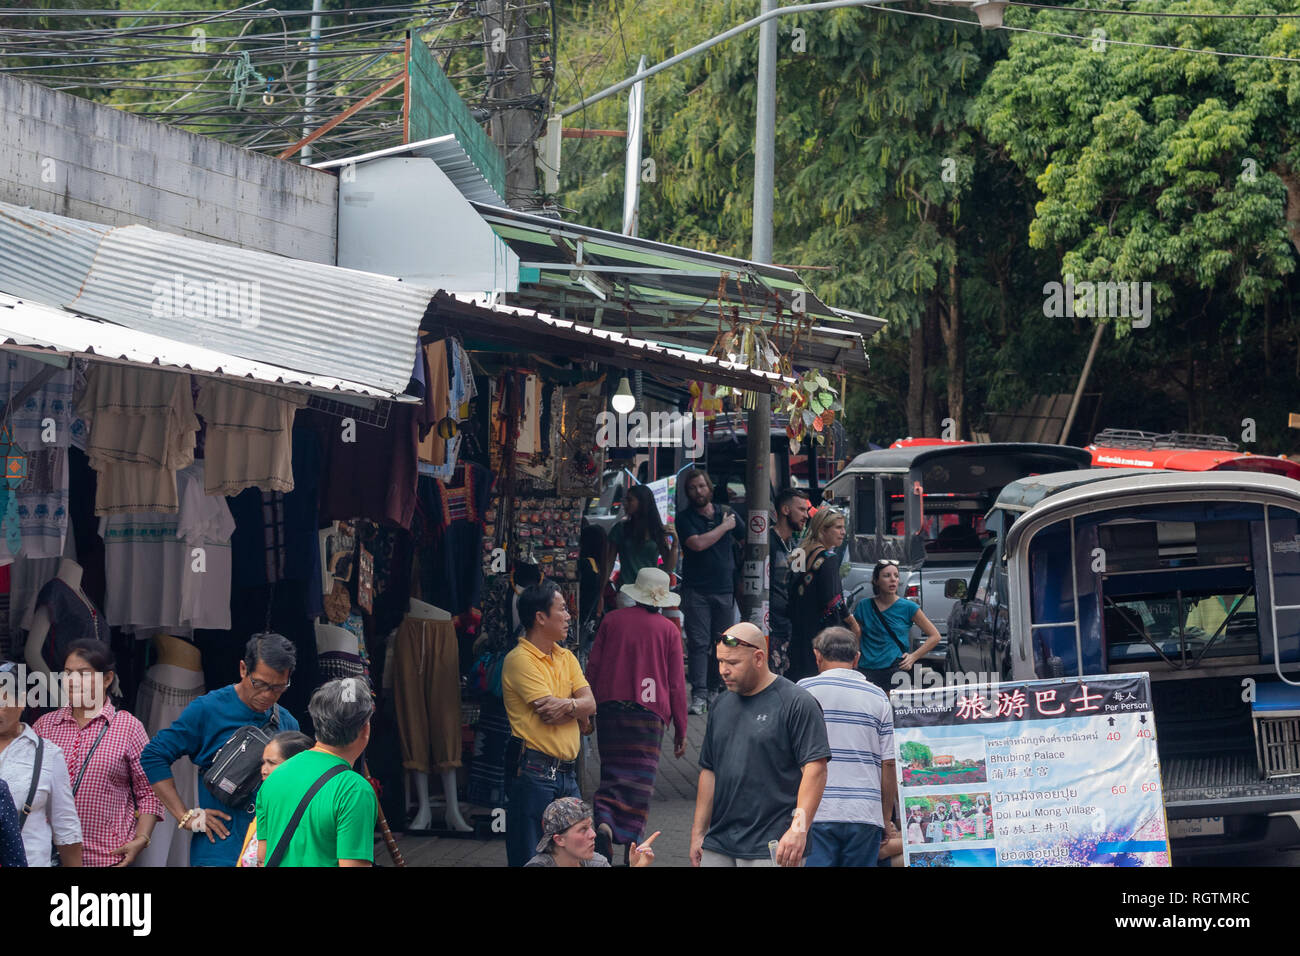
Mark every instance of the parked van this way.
pixel 923 505
pixel 1195 579
pixel 978 628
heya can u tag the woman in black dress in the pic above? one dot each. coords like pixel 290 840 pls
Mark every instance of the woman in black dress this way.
pixel 816 598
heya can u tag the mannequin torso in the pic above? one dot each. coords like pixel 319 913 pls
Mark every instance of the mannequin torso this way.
pixel 177 652
pixel 70 574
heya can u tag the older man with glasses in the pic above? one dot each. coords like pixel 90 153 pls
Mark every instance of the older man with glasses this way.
pixel 763 764
pixel 200 732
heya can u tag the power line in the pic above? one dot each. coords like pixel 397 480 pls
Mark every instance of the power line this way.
pixel 1152 13
pixel 1109 40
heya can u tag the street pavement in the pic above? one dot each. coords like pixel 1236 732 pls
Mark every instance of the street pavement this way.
pixel 671 811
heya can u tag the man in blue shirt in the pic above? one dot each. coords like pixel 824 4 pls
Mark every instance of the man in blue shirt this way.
pixel 203 728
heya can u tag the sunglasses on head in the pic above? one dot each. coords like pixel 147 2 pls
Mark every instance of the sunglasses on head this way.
pixel 884 561
pixel 729 641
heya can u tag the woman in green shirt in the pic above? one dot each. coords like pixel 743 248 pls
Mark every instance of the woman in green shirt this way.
pixel 640 539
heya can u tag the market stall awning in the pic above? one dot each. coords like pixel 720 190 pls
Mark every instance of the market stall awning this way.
pixel 668 293
pixel 486 325
pixel 447 152
pixel 313 319
pixel 33 326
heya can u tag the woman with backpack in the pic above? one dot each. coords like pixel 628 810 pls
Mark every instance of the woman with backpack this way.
pixel 816 599
pixel 102 747
pixel 886 622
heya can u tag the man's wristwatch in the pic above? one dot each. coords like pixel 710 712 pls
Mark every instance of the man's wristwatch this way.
pixel 574 702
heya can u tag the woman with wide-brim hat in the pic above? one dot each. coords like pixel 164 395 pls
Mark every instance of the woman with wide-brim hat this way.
pixel 637 675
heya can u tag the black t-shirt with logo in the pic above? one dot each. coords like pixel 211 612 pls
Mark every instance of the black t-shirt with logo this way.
pixel 713 570
pixel 757 747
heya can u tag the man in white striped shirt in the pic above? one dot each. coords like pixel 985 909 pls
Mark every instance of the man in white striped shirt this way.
pixel 861 786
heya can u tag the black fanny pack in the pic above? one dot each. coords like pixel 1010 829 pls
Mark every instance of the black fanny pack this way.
pixel 236 771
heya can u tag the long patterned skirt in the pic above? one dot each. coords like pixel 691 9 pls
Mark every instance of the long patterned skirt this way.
pixel 628 738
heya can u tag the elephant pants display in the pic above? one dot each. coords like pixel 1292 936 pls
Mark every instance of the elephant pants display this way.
pixel 426 684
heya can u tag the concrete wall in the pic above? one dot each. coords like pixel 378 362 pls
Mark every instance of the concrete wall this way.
pixel 66 155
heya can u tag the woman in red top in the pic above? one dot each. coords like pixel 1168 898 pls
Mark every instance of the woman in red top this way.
pixel 102 746
pixel 639 682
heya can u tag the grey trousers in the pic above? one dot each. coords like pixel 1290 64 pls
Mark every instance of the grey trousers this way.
pixel 707 616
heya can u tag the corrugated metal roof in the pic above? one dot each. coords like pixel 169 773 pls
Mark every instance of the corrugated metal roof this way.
pixel 315 319
pixel 670 293
pixel 640 348
pixel 451 158
pixel 43 256
pixel 35 325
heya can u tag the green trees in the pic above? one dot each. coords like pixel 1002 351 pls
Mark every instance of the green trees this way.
pixel 1169 168
pixel 874 157
pixel 914 752
pixel 940 177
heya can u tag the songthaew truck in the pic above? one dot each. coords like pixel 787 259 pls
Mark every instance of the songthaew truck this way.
pixel 1191 577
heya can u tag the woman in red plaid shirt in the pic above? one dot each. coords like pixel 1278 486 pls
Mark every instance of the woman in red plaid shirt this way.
pixel 102 745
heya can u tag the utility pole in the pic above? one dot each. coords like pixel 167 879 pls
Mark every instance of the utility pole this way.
pixel 758 470
pixel 313 64
pixel 514 125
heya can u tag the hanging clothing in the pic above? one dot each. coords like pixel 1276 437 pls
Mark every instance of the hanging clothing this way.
pixel 142 429
pixel 426 684
pixel 72 618
pixel 249 436
pixel 164 692
pixel 462 391
pixel 171 570
pixel 42 428
pixel 275 533
pixel 374 475
pixel 450 528
pixel 433 448
pixel 487 771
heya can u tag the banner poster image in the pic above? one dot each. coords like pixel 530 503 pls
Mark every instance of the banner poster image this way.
pixel 1060 772
pixel 665 492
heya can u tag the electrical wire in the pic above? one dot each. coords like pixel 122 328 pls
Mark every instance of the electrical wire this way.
pixel 1109 41
pixel 1152 13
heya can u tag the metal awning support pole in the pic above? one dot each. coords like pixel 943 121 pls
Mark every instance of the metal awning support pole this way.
pixel 758 476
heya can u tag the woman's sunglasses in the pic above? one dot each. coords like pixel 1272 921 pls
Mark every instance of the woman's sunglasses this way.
pixel 884 561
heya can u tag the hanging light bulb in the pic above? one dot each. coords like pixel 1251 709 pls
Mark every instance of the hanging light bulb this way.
pixel 623 401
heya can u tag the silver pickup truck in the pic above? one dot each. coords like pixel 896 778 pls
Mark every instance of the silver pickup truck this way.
pixel 922 503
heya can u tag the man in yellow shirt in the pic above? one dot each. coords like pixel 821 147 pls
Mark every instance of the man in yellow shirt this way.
pixel 548 702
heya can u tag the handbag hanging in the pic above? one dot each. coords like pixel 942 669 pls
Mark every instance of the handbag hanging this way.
pixel 885 624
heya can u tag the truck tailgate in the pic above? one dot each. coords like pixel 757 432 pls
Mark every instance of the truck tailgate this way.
pixel 1222 784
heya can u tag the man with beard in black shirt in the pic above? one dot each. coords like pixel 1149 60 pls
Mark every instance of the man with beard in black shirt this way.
pixel 763 764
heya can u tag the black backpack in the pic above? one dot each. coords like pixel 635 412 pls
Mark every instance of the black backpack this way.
pixel 236 771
